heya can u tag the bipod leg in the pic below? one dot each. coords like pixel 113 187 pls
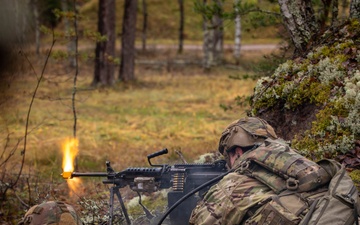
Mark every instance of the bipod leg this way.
pixel 111 209
pixel 115 190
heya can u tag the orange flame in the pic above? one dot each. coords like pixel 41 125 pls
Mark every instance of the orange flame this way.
pixel 70 151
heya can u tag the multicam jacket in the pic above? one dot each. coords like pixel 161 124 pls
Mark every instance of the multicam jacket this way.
pixel 263 188
pixel 228 202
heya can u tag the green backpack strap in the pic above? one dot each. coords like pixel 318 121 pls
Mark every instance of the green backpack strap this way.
pixel 300 173
pixel 340 205
pixel 265 176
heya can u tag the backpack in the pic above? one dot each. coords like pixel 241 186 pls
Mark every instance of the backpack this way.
pixel 305 192
pixel 51 212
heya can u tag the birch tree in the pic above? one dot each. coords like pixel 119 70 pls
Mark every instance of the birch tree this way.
pixel 237 36
pixel 213 33
pixel 208 35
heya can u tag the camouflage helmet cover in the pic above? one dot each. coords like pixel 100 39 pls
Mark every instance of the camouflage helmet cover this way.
pixel 51 212
pixel 245 132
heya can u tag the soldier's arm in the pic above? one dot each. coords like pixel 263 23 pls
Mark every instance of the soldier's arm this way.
pixel 228 201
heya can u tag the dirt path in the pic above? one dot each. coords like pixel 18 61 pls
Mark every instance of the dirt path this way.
pixel 245 47
pixel 195 47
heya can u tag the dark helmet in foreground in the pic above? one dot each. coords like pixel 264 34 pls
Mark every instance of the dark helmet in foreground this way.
pixel 51 212
pixel 245 133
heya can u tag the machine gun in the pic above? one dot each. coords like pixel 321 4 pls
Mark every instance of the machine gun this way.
pixel 182 180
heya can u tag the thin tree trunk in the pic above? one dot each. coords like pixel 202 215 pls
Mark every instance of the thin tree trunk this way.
pixel 344 4
pixel 208 43
pixel 105 50
pixel 144 28
pixel 335 13
pixel 111 42
pixel 37 25
pixel 127 64
pixel 325 13
pixel 237 41
pixel 355 9
pixel 181 28
pixel 99 73
pixel 218 40
pixel 71 44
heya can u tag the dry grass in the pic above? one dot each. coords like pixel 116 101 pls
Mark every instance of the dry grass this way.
pixel 178 110
pixel 176 107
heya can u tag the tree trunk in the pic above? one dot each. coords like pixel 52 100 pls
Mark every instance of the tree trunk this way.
pixel 128 42
pixel 71 44
pixel 208 43
pixel 355 9
pixel 213 36
pixel 144 28
pixel 181 28
pixel 237 41
pixel 105 50
pixel 300 22
pixel 325 13
pixel 35 8
pixel 335 13
pixel 217 24
pixel 344 5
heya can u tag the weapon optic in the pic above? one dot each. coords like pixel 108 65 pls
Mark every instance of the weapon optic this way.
pixel 180 179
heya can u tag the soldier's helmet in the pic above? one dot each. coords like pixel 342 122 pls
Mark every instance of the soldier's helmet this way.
pixel 246 133
pixel 51 212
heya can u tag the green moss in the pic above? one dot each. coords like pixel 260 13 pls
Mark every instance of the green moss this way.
pixel 326 51
pixel 328 136
pixel 306 145
pixel 328 77
pixel 344 45
pixel 322 121
pixel 354 25
pixel 355 176
pixel 340 58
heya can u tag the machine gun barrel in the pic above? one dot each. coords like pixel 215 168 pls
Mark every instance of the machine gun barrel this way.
pixel 70 175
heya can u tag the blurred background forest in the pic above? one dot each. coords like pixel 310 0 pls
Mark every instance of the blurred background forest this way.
pixel 127 78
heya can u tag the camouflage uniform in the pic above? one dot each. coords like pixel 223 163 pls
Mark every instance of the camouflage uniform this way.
pixel 266 180
pixel 51 212
pixel 228 201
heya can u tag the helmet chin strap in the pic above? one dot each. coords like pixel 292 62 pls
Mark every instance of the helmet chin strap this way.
pixel 250 148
